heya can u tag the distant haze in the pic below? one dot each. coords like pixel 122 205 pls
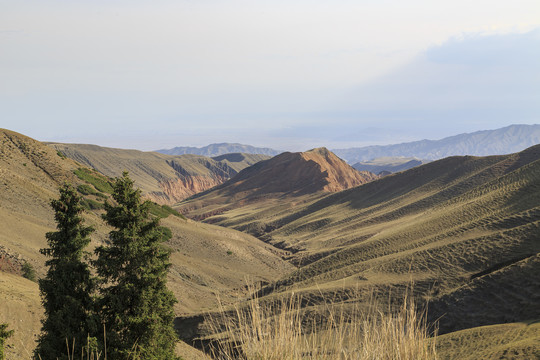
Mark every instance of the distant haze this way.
pixel 506 140
pixel 289 75
pixel 220 149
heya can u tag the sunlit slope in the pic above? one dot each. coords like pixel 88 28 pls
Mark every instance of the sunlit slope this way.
pixel 210 261
pixel 163 178
pixel 207 261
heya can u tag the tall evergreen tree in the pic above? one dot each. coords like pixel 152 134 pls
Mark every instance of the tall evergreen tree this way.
pixel 136 306
pixel 67 290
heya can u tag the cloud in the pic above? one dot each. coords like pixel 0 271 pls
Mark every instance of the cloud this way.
pixel 479 50
pixel 474 79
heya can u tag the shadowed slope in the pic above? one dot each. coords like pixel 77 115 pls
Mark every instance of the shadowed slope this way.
pixel 505 341
pixel 389 164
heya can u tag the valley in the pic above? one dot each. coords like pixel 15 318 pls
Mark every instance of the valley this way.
pixel 460 235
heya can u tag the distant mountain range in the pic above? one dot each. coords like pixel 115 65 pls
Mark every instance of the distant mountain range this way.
pixel 501 141
pixel 220 149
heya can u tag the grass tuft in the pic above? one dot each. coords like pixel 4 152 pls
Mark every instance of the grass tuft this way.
pixel 282 329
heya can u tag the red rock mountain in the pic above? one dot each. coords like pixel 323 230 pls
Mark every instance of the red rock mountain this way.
pixel 289 174
pixel 298 174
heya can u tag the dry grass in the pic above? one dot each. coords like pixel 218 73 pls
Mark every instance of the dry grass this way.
pixel 282 329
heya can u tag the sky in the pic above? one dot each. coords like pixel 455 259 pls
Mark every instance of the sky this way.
pixel 290 75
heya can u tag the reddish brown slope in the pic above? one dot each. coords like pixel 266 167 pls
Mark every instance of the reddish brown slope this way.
pixel 285 175
pixel 298 174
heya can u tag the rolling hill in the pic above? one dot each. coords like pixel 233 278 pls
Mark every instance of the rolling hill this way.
pixel 505 140
pixel 164 179
pixel 207 261
pixel 464 230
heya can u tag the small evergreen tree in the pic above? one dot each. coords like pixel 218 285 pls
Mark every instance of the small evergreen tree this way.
pixel 68 288
pixel 136 306
pixel 4 335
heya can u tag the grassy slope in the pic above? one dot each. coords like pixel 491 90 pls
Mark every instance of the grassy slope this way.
pixel 206 261
pixel 438 225
pixel 505 341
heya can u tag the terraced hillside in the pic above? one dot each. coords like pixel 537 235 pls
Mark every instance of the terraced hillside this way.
pixel 165 179
pixel 465 230
pixel 206 260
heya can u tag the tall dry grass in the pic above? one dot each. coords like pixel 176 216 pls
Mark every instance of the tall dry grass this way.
pixel 282 329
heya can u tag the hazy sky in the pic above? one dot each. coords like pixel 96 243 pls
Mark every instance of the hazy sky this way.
pixel 289 74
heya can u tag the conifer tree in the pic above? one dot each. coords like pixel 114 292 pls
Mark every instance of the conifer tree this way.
pixel 136 306
pixel 67 290
pixel 4 335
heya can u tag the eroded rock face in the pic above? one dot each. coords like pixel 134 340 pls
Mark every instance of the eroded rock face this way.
pixel 175 190
pixel 337 173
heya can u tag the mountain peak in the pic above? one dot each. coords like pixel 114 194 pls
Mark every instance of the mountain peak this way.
pixel 320 150
pixel 288 174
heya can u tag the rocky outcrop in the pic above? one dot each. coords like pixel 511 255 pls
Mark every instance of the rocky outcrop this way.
pixel 175 190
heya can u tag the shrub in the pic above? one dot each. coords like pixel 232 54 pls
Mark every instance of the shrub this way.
pixel 99 181
pixel 163 211
pixel 90 204
pixel 89 190
pixel 29 272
